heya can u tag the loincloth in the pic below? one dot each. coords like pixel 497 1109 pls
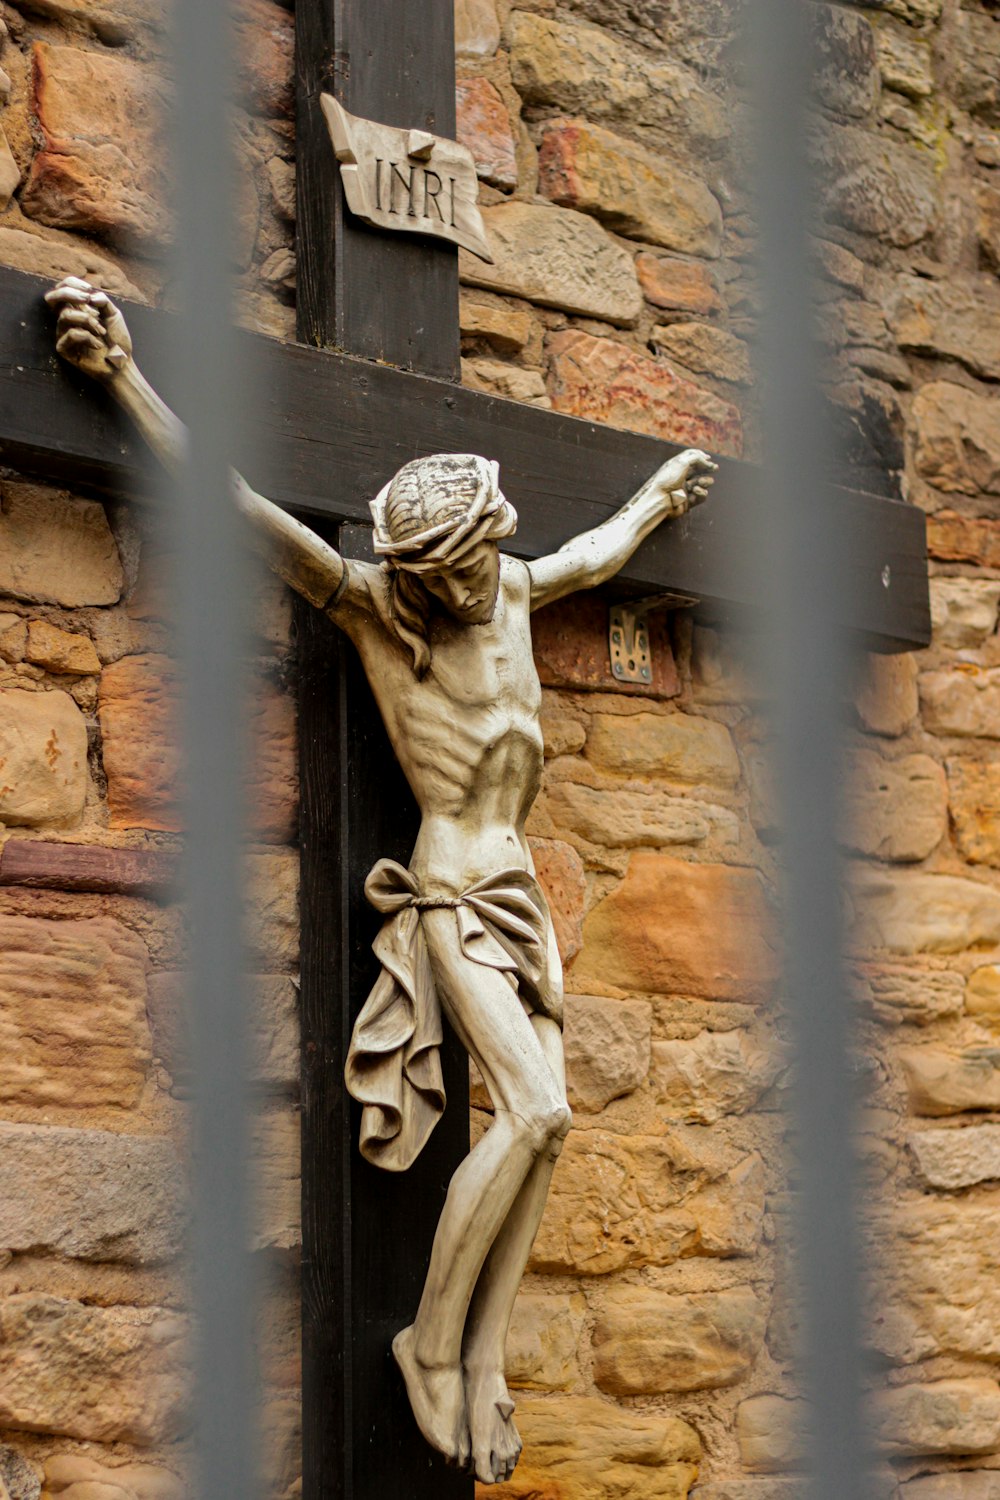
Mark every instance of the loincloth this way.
pixel 394 1066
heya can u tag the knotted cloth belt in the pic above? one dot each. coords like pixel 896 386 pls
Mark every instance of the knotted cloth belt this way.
pixel 394 1067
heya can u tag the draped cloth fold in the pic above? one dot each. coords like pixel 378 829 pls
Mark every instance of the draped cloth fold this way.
pixel 394 1066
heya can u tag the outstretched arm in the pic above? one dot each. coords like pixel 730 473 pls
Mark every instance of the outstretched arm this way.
pixel 595 556
pixel 92 335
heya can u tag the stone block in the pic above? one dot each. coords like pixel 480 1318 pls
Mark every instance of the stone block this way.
pixel 952 1159
pixel 484 127
pixel 20 1476
pixel 139 707
pixel 60 650
pixel 542 1340
pixel 974 795
pixel 954 538
pixel 717 1073
pixel 264 49
pixel 53 259
pixel 55 549
pixel 605 381
pixel 875 186
pixel 73 1029
pixel 477 30
pixel 674 928
pixel 275 1158
pixel 944 1082
pixel 894 809
pixel 100 1374
pixel 897 995
pixel 964 610
pixel 948 1417
pixel 955 1484
pixel 676 746
pixel 707 350
pixel 847 79
pixel 90 1194
pixel 982 993
pixel 587 70
pixel 678 285
pixel 506 327
pixel 274 1029
pixel 885 694
pixel 918 913
pixel 905 61
pixel 10 172
pixel 512 382
pixel 583 1448
pixel 607 1049
pixel 957 443
pixel 770 1430
pixel 941 1295
pixel 637 193
pixel 570 644
pixel 560 874
pixel 628 1201
pixel 956 318
pixel 647 1342
pixel 963 700
pixel 272 785
pixel 623 816
pixel 974 59
pixel 271 907
pixel 750 1489
pixel 72 1476
pixel 987 201
pixel 558 258
pixel 43 759
pixel 562 726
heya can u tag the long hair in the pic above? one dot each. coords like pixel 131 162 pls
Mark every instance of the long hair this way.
pixel 410 607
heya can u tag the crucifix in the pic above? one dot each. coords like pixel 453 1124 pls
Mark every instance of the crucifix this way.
pixel 342 428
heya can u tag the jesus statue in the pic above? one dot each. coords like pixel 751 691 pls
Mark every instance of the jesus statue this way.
pixel 442 625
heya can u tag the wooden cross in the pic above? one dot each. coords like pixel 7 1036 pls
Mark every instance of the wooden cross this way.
pixel 334 427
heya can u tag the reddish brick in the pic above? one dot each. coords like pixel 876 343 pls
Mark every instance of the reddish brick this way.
pixel 955 538
pixel 570 641
pixel 484 127
pixel 560 874
pixel 679 285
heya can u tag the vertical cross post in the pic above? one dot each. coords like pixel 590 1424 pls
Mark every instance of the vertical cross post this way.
pixel 366 1233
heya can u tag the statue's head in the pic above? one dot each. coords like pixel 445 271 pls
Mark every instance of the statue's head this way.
pixel 437 525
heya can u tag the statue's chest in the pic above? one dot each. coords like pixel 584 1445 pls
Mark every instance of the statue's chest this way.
pixel 487 666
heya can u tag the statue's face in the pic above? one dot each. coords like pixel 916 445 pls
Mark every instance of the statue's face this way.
pixel 469 590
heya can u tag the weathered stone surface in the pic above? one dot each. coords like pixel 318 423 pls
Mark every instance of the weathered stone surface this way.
pixel 101 168
pixel 678 747
pixel 265 47
pixel 558 258
pixel 271 909
pixel 43 759
pixel 707 349
pixel 477 30
pixel 90 1194
pixel 112 21
pixel 898 995
pixel 942 1293
pixel 484 127
pixel 955 318
pixel 770 1433
pixel 632 816
pixel 979 1484
pixel 73 1025
pixel 54 259
pixel 502 379
pixel 647 1342
pixel 607 1048
pixel 953 538
pixel 917 913
pixel 885 695
pixel 562 726
pixel 943 1082
pixel 607 382
pixel 677 285
pixel 583 1448
pixel 846 71
pixel 272 784
pixel 570 643
pixel 894 809
pixel 637 193
pixel 982 993
pixel 139 703
pixel 964 610
pixel 716 1073
pixel 873 185
pixel 974 57
pixel 55 549
pixel 20 1476
pixel 974 795
pixel 963 700
pixel 586 70
pixel 678 928
pixel 101 1374
pixel 506 327
pixel 71 1476
pixel 749 1489
pixel 274 1029
pixel 905 61
pixel 10 172
pixel 60 650
pixel 542 1340
pixel 988 222
pixel 276 1155
pixel 939 1416
pixel 621 1201
pixel 957 447
pixel 560 874
pixel 954 1159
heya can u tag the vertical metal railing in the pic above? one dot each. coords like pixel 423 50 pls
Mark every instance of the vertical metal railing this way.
pixel 212 611
pixel 805 588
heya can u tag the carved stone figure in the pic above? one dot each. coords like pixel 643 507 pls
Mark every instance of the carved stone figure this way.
pixel 443 629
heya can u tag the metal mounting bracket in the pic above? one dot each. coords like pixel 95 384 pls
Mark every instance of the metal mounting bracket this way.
pixel 628 635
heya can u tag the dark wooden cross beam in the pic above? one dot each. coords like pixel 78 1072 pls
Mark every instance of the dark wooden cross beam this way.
pixel 333 427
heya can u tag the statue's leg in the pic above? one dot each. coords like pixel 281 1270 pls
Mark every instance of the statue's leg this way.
pixel 495 1440
pixel 531 1116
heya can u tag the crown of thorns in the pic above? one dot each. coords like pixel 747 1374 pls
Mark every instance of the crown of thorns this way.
pixel 436 510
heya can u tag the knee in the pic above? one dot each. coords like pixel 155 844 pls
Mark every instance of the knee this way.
pixel 548 1126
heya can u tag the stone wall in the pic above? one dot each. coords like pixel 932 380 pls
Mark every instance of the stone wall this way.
pixel 652 1344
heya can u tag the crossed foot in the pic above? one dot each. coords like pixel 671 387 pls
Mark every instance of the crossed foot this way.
pixel 467 1418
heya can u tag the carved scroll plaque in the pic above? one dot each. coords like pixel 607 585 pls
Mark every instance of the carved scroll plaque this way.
pixel 407 180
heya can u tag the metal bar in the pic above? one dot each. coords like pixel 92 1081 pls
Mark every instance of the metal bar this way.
pixel 805 576
pixel 212 593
